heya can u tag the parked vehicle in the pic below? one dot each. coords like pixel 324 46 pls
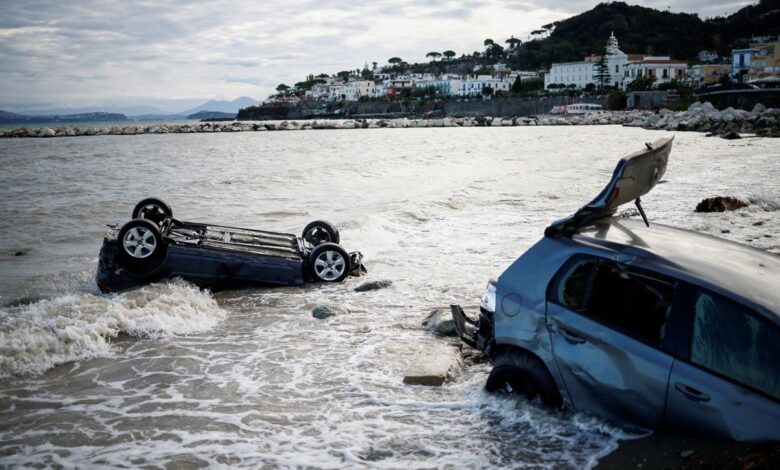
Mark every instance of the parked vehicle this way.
pixel 654 326
pixel 154 245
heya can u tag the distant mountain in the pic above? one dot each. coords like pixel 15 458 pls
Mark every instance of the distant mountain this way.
pixel 126 110
pixel 223 106
pixel 13 118
pixel 211 115
pixel 644 30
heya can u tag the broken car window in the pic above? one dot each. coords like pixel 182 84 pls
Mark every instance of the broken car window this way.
pixel 637 303
pixel 731 340
pixel 574 284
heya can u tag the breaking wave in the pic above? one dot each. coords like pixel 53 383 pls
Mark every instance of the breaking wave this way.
pixel 41 335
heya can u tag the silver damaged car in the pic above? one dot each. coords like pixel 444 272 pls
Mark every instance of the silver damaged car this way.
pixel 646 325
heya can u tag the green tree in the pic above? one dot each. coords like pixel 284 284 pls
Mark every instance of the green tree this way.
pixel 282 89
pixel 641 84
pixel 394 60
pixel 488 42
pixel 616 100
pixel 487 91
pixel 601 73
pixel 448 54
pixel 513 43
pixel 433 55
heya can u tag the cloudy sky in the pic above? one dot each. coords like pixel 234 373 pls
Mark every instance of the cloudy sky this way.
pixel 56 53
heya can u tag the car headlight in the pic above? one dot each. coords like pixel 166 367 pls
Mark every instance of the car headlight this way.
pixel 489 299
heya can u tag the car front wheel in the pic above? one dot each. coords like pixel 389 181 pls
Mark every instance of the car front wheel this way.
pixel 329 262
pixel 519 372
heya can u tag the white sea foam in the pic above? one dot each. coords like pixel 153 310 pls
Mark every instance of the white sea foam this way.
pixel 41 335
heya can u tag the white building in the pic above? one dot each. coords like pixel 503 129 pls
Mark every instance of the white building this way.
pixel 663 68
pixel 475 85
pixel 578 74
pixel 741 60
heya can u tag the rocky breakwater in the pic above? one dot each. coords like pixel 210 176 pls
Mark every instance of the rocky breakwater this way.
pixel 703 117
pixel 700 117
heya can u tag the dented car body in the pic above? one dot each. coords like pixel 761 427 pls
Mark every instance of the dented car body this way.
pixel 652 326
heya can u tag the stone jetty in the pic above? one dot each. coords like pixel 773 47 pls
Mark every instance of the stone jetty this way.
pixel 700 117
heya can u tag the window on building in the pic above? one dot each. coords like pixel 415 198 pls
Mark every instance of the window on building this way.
pixel 732 341
pixel 617 68
pixel 665 73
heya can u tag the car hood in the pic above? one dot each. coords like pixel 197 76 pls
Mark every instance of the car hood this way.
pixel 634 176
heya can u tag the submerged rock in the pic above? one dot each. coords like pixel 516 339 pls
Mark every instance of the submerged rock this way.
pixel 440 322
pixel 434 366
pixel 721 204
pixel 373 285
pixel 731 135
pixel 328 310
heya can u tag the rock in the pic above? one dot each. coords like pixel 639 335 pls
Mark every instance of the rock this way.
pixel 725 231
pixel 374 285
pixel 758 109
pixel 721 204
pixel 434 366
pixel 687 453
pixel 325 311
pixel 694 106
pixel 731 135
pixel 440 322
pixel 758 224
pixel 707 107
pixel 20 253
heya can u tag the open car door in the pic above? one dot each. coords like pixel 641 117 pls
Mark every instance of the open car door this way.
pixel 634 176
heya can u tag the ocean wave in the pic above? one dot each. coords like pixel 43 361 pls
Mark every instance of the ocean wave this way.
pixel 43 334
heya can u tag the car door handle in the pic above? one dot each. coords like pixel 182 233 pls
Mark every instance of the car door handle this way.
pixel 691 392
pixel 571 337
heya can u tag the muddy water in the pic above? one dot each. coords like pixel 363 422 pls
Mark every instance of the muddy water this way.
pixel 172 376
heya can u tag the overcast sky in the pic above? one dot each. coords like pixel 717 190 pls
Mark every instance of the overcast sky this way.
pixel 97 52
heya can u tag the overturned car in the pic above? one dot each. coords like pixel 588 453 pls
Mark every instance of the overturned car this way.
pixel 652 326
pixel 154 245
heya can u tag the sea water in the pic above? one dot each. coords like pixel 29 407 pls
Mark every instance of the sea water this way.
pixel 169 375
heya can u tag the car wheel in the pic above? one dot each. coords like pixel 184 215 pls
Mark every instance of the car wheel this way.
pixel 319 232
pixel 152 209
pixel 329 262
pixel 141 246
pixel 519 372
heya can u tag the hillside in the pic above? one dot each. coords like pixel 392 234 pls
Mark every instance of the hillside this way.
pixel 648 31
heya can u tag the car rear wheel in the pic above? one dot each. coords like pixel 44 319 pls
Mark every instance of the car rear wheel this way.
pixel 319 232
pixel 329 262
pixel 141 246
pixel 152 209
pixel 518 372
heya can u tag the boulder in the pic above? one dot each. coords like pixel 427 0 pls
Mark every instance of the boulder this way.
pixel 721 204
pixel 707 107
pixel 440 322
pixel 434 366
pixel 694 106
pixel 328 310
pixel 374 285
pixel 731 135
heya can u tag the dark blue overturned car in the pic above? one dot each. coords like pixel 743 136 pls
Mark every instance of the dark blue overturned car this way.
pixel 154 246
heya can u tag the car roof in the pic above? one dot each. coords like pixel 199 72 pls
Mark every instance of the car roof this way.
pixel 730 267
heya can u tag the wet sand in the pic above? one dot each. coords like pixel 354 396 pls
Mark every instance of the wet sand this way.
pixel 664 451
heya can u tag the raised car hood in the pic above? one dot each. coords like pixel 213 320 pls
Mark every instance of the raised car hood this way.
pixel 634 176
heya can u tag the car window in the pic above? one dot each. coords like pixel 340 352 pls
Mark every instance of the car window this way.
pixel 570 291
pixel 637 303
pixel 733 341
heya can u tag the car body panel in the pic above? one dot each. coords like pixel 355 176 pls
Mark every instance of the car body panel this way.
pixel 608 372
pixel 703 404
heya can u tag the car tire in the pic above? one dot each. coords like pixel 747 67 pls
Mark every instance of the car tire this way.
pixel 319 232
pixel 152 209
pixel 141 246
pixel 329 262
pixel 522 373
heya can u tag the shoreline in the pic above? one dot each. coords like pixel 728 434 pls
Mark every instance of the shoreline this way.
pixel 730 122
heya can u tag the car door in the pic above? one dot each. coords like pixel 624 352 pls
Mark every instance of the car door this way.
pixel 726 382
pixel 607 327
